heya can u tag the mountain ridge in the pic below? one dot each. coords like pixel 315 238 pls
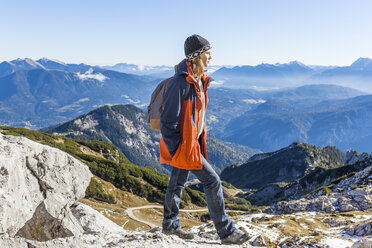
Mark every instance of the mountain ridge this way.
pixel 281 166
pixel 126 127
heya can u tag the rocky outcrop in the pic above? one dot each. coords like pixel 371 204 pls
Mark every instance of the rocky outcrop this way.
pixel 360 230
pixel 363 176
pixel 353 200
pixel 352 157
pixel 38 185
pixel 364 243
pixel 351 194
pixel 124 239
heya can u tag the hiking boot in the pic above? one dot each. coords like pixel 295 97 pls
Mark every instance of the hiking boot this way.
pixel 236 237
pixel 180 233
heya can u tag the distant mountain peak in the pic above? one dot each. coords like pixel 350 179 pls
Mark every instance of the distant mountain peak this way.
pixel 362 63
pixel 45 60
pixel 27 63
pixel 295 62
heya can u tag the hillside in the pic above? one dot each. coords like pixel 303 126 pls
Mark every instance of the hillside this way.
pixel 126 127
pixel 283 166
pixel 319 179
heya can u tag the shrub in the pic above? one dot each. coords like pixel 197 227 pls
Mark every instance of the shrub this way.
pixel 96 191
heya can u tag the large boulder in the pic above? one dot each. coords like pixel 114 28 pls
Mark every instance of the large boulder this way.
pixel 364 243
pixel 38 185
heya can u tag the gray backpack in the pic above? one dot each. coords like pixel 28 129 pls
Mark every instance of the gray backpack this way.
pixel 155 108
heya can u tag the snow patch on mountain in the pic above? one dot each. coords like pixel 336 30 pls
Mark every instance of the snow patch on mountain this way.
pixel 86 123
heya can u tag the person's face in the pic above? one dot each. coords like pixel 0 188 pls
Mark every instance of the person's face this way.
pixel 206 57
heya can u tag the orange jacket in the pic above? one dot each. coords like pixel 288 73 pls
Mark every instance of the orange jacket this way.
pixel 179 145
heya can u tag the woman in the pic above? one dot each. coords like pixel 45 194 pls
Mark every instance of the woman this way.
pixel 183 143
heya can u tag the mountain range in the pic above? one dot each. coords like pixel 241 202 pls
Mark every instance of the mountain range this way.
pixel 263 75
pixel 226 104
pixel 42 93
pixel 345 123
pixel 358 75
pixel 9 67
pixel 38 98
pixel 153 71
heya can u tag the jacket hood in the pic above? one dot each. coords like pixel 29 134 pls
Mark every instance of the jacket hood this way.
pixel 182 68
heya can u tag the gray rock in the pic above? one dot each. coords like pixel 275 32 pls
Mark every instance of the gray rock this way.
pixel 93 221
pixel 350 199
pixel 38 184
pixel 351 157
pixel 360 230
pixel 357 179
pixel 364 243
pixel 258 241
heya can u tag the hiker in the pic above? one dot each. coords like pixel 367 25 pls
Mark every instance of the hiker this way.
pixel 183 143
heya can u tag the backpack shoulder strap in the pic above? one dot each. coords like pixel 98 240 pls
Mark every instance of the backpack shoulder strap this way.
pixel 188 86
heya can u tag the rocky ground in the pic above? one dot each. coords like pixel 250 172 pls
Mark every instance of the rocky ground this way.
pixel 302 229
pixel 40 189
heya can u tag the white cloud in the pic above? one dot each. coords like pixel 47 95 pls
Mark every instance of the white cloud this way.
pixel 133 101
pixel 82 100
pixel 141 105
pixel 253 101
pixel 216 83
pixel 89 75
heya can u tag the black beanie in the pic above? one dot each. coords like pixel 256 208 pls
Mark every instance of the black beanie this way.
pixel 196 45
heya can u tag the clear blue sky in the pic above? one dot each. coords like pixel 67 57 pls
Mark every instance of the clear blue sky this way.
pixel 324 32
